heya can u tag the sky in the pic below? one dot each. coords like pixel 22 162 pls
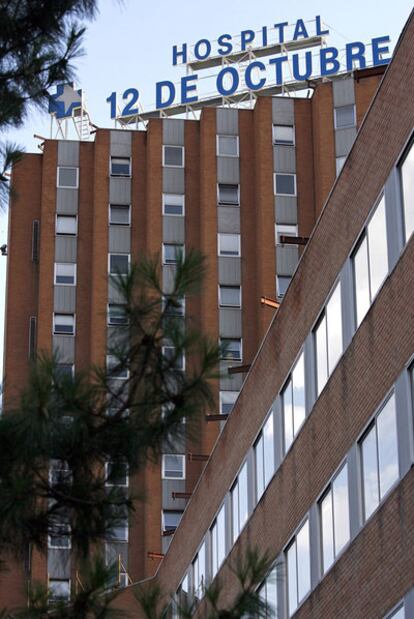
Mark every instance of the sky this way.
pixel 130 45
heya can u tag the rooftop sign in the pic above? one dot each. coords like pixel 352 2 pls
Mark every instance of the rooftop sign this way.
pixel 253 61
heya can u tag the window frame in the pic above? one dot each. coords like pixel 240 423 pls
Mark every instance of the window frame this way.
pixel 229 204
pixel 108 365
pixel 170 346
pixel 227 135
pixel 235 488
pixel 112 223
pixel 68 535
pixel 278 143
pixel 291 195
pixel 372 424
pixel 279 294
pixel 278 234
pixel 59 599
pixel 293 540
pixel 68 167
pixel 224 305
pixel 180 248
pixel 339 107
pixel 109 264
pixel 111 174
pixel 65 216
pixel 108 314
pixel 221 392
pixel 363 235
pixel 234 339
pixel 289 384
pixel 329 488
pixel 63 314
pixel 235 234
pixel 323 316
pixel 74 265
pixel 408 148
pixel 169 165
pixel 183 469
pixel 107 475
pixel 170 511
pixel 215 523
pixel 260 438
pixel 182 195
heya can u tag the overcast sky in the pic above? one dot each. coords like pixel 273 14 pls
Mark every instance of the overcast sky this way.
pixel 130 45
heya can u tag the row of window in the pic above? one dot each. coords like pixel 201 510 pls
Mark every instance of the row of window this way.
pixel 377 473
pixel 378 446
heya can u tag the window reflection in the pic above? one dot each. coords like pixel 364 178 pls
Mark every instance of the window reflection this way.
pixel 370 261
pixel 328 338
pixel 293 398
pixel 407 177
pixel 379 450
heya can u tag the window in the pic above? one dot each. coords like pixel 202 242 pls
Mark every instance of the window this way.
pixel 268 593
pixel 228 195
pixel 239 502
pixel 334 518
pixel 218 541
pixel 65 370
pixel 227 401
pixel 397 613
pixel 293 402
pixel 117 314
pixel 285 184
pixel 182 596
pixel 339 164
pixel 115 369
pixel 118 529
pixel 173 156
pixel 119 214
pixel 173 466
pixel 199 572
pixel 230 296
pixel 171 253
pixel 298 568
pixel 67 178
pixel 174 358
pixel 120 166
pixel 173 306
pixel 407 181
pixel 59 473
pixel 171 520
pixel 116 474
pixel 345 116
pixel 119 264
pixel 65 274
pixel 285 230
pixel 282 284
pixel 229 244
pixel 370 261
pixel 284 135
pixel 59 590
pixel 172 204
pixel 64 324
pixel 379 457
pixel 66 224
pixel 231 348
pixel 59 535
pixel 228 145
pixel 264 457
pixel 328 338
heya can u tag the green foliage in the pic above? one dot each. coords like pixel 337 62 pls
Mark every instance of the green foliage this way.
pixel 55 442
pixel 38 43
pixel 249 569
